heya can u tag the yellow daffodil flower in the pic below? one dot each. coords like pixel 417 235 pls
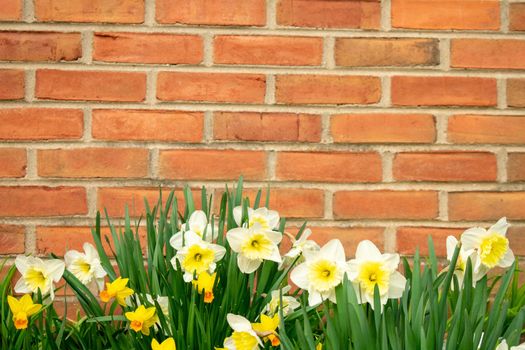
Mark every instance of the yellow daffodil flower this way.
pixel 204 283
pixel 142 319
pixel 22 309
pixel 266 329
pixel 116 289
pixel 168 344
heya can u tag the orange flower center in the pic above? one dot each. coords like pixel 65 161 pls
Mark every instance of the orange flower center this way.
pixel 104 296
pixel 208 297
pixel 136 325
pixel 20 322
pixel 274 339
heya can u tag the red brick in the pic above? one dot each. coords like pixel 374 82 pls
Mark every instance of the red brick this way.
pixel 147 48
pixel 109 11
pixel 268 50
pixel 516 236
pixel 12 162
pixel 12 239
pixel 11 10
pixel 116 199
pixel 486 129
pixel 443 91
pixel 386 204
pixel 383 128
pixel 517 16
pixel 11 84
pixel 349 236
pixel 486 205
pixel 90 85
pixel 206 164
pixel 411 238
pixel 329 167
pixel 327 89
pixel 399 52
pixel 329 14
pixel 43 201
pixel 213 12
pixel 486 53
pixel 516 166
pixel 277 127
pixel 93 162
pixel 40 124
pixel 445 166
pixel 448 14
pixel 214 87
pixel 39 46
pixel 516 92
pixel 147 125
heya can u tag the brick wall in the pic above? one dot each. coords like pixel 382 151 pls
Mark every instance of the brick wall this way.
pixel 385 120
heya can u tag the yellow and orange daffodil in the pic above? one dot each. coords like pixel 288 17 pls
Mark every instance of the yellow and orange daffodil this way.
pixel 204 284
pixel 168 344
pixel 116 289
pixel 142 319
pixel 22 309
pixel 266 327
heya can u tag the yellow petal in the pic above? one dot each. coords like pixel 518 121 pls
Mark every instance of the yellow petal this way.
pixel 14 305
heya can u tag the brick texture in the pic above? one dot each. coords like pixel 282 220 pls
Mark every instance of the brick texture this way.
pixel 384 120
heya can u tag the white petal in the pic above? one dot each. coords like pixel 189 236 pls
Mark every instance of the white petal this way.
pixel 237 215
pixel 236 237
pixel 239 323
pixel 503 345
pixel 452 243
pixel 188 277
pixel 508 259
pixel 396 286
pixel 55 268
pixel 198 218
pixel 366 250
pixel 314 298
pixel 176 240
pixel 352 270
pixel 276 256
pixel 191 238
pixel 22 263
pixel 273 219
pixel 22 287
pixel 391 261
pixel 100 283
pixel 500 227
pixel 471 238
pixel 247 265
pixel 71 255
pixel 299 276
pixel 91 252
pixel 219 251
pixel 274 236
pixel 333 250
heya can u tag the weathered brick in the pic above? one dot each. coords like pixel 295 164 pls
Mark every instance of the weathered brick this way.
pixel 213 12
pixel 516 92
pixel 13 162
pixel 329 167
pixel 443 91
pixel 11 10
pixel 90 85
pixel 268 50
pixel 11 84
pixel 327 89
pixel 329 14
pixel 386 204
pixel 147 48
pixel 516 167
pixel 93 162
pixel 277 127
pixel 383 128
pixel 411 238
pixel 39 46
pixel 498 129
pixel 110 11
pixel 445 166
pixel 486 205
pixel 215 87
pixel 446 15
pixel 43 201
pixel 192 164
pixel 488 53
pixel 517 16
pixel 147 125
pixel 399 52
pixel 12 239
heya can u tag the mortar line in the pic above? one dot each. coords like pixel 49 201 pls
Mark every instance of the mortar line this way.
pixel 504 16
pixel 87 38
pixel 386 87
pixel 326 134
pixel 443 206
pixel 30 239
pixel 390 239
pixel 29 85
pixel 28 10
pixel 31 164
pixel 386 20
pixel 149 13
pixel 444 54
pixel 151 87
pixel 501 85
pixel 91 199
pixel 387 161
pixel 207 42
pixel 441 128
pixel 154 163
pixel 328 60
pixel 208 134
pixel 88 128
pixel 271 14
pixel 501 162
pixel 328 205
pixel 269 97
pixel 271 164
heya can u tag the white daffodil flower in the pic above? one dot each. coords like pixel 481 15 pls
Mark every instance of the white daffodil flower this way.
pixel 86 266
pixel 504 346
pixel 491 246
pixel 243 336
pixel 461 263
pixel 197 255
pixel 321 272
pixel 288 305
pixel 302 246
pixel 198 223
pixel 253 245
pixel 38 274
pixel 267 219
pixel 370 268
